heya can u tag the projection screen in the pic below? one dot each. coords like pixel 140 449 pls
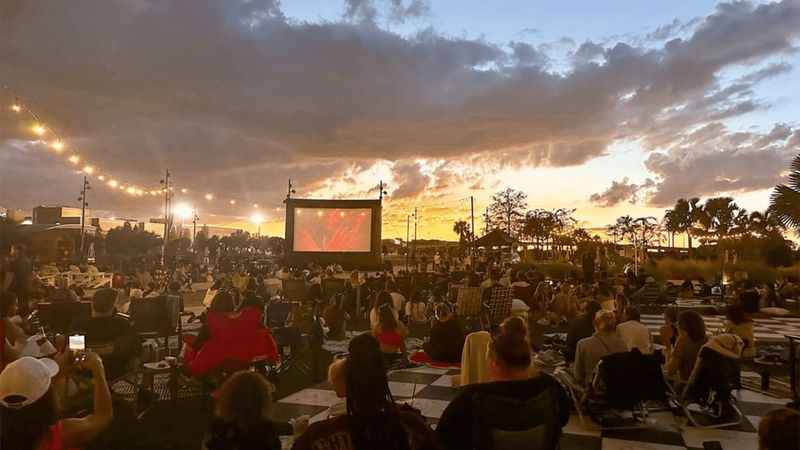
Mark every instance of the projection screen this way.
pixel 340 230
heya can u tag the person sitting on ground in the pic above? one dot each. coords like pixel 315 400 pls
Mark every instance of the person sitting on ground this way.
pixel 110 334
pixel 691 338
pixel 779 430
pixel 391 334
pixel 417 309
pixel 650 293
pixel 447 336
pixel 383 298
pixel 242 416
pixel 635 333
pixel 668 333
pixel 373 420
pixel 590 350
pixel 582 327
pixel 61 292
pixel 737 322
pixel 337 379
pixel 510 376
pixel 28 412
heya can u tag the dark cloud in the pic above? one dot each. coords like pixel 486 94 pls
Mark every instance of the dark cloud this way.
pixel 588 52
pixel 620 191
pixel 236 97
pixel 672 29
pixel 409 179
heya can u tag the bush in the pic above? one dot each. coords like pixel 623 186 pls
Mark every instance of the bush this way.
pixel 553 270
pixel 760 272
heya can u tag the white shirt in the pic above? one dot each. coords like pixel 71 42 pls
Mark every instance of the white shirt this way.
pixel 636 335
pixel 398 300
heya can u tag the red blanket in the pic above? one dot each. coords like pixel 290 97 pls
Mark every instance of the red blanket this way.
pixel 421 357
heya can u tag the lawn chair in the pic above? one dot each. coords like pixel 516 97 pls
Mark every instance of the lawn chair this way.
pixel 331 287
pixel 714 378
pixel 468 306
pixel 505 422
pixel 157 317
pixel 294 290
pixel 60 317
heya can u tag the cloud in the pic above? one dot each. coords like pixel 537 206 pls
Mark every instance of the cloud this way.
pixel 235 96
pixel 672 29
pixel 411 182
pixel 620 191
pixel 367 11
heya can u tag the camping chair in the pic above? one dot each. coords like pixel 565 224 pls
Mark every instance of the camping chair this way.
pixel 60 317
pixel 499 305
pixel 508 423
pixel 627 381
pixel 157 317
pixel 294 290
pixel 711 386
pixel 331 287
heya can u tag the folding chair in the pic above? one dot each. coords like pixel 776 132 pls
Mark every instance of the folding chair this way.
pixel 59 317
pixel 501 423
pixel 157 317
pixel 710 386
pixel 468 304
pixel 294 290
pixel 331 287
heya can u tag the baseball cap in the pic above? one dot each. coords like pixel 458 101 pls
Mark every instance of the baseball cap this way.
pixel 25 381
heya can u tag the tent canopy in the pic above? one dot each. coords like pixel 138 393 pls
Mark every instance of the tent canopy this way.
pixel 496 238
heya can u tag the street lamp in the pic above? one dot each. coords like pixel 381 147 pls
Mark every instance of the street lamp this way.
pixel 257 219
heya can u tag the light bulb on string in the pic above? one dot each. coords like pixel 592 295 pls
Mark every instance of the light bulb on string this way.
pixel 74 159
pixel 57 145
pixel 232 202
pixel 16 107
pixel 255 205
pixel 184 190
pixel 112 183
pixel 38 129
pixel 101 177
pixel 209 197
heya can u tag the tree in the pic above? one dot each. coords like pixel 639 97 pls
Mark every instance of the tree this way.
pixel 461 228
pixel 785 199
pixel 125 243
pixel 508 209
pixel 765 223
pixel 671 225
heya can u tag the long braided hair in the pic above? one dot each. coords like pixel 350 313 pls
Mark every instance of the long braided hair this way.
pixel 375 421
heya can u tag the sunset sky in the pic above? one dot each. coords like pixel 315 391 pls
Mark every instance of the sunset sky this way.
pixel 610 107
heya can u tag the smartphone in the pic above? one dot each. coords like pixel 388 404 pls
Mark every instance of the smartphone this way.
pixel 77 346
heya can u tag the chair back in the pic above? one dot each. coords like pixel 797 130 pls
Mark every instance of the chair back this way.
pixel 713 372
pixel 509 423
pixel 279 314
pixel 629 378
pixel 499 305
pixel 59 317
pixel 156 316
pixel 331 287
pixel 468 301
pixel 294 290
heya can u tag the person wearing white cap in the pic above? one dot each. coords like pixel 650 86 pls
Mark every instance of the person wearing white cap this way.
pixel 28 411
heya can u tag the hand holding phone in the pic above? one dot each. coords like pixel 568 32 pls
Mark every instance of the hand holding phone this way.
pixel 77 347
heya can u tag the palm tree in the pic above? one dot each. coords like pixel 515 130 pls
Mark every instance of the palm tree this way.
pixel 765 223
pixel 785 200
pixel 672 225
pixel 461 228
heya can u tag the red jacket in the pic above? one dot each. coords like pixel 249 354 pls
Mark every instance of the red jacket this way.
pixel 234 338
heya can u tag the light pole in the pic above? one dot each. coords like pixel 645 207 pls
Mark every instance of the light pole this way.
pixel 84 204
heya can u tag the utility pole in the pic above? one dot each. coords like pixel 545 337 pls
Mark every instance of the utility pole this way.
pixel 194 230
pixel 472 218
pixel 167 196
pixel 381 190
pixel 290 190
pixel 84 204
pixel 408 248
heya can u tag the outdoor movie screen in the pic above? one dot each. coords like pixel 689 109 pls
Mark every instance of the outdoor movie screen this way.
pixel 332 230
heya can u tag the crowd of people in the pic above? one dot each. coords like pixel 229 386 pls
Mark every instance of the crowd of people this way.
pixel 600 316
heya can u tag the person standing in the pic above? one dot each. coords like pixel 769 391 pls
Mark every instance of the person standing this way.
pixel 21 278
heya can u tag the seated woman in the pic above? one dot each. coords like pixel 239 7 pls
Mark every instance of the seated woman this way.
pixel 230 337
pixel 668 333
pixel 605 341
pixel 691 337
pixel 242 416
pixel 383 298
pixel 738 323
pixel 447 336
pixel 510 376
pixel 373 420
pixel 391 334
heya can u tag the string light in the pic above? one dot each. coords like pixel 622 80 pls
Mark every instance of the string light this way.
pixel 209 197
pixel 39 130
pixel 255 205
pixel 232 202
pixel 184 190
pixel 57 145
pixel 16 107
pixel 74 159
pixel 101 177
pixel 131 190
pixel 112 183
pixel 88 169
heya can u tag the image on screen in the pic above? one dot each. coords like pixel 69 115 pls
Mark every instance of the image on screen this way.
pixel 332 230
